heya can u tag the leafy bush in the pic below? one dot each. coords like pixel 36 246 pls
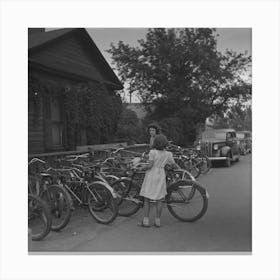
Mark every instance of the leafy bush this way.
pixel 92 108
pixel 172 128
pixel 129 128
pixel 87 107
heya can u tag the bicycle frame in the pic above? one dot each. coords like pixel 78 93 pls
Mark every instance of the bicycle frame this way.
pixel 170 180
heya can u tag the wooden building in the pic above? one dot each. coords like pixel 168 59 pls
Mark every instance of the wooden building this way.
pixel 65 56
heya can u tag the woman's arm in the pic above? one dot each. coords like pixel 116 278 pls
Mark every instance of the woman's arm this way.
pixel 172 162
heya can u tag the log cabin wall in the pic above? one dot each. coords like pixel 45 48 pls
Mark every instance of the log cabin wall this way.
pixel 35 124
pixel 39 123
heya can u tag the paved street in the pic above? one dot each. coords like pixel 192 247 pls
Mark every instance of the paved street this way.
pixel 226 227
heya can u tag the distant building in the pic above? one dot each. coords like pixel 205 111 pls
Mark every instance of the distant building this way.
pixel 139 109
pixel 210 122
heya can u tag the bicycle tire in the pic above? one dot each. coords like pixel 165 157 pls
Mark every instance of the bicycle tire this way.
pixel 36 204
pixel 100 199
pixel 175 195
pixel 194 169
pixel 111 179
pixel 121 188
pixel 60 203
pixel 205 165
pixel 128 197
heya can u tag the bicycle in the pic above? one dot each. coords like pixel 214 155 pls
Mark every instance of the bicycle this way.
pixel 42 184
pixel 39 217
pixel 96 195
pixel 190 163
pixel 186 159
pixel 181 194
pixel 205 162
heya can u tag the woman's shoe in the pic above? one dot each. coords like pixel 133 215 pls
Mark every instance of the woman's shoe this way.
pixel 157 222
pixel 144 223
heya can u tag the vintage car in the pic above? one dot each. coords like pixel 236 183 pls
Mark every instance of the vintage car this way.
pixel 245 138
pixel 220 145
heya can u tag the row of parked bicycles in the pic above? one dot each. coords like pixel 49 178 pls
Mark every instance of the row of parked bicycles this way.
pixel 109 187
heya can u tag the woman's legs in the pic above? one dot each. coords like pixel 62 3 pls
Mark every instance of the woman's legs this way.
pixel 158 212
pixel 159 208
pixel 146 211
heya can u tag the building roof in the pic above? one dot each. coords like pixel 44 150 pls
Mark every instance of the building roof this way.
pixel 41 40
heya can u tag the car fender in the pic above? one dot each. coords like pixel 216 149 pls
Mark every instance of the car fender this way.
pixel 225 150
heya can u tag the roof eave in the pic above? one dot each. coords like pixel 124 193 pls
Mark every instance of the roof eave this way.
pixel 107 67
pixel 114 83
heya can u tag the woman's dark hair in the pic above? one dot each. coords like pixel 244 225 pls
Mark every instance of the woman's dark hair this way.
pixel 160 142
pixel 155 126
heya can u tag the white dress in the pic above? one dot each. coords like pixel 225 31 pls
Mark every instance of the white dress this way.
pixel 154 184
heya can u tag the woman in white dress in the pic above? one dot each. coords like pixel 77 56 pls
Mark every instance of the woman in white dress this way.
pixel 154 184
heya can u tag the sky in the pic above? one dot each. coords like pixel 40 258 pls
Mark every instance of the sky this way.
pixel 237 39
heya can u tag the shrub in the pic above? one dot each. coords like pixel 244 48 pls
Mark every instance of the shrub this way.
pixel 130 128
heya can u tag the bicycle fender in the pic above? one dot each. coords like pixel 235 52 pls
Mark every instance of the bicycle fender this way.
pixel 126 178
pixel 107 186
pixel 186 171
pixel 177 184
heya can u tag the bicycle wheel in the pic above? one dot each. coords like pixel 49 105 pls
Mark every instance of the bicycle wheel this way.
pixel 128 198
pixel 193 167
pixel 205 165
pixel 39 217
pixel 60 203
pixel 187 200
pixel 101 202
pixel 183 174
pixel 111 179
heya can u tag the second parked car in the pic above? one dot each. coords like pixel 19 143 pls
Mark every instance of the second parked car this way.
pixel 245 138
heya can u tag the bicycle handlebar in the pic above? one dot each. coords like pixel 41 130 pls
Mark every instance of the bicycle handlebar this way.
pixel 75 157
pixel 36 160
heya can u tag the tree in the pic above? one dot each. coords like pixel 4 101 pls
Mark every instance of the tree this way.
pixel 182 74
pixel 238 117
pixel 129 127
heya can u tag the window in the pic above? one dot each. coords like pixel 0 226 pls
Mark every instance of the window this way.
pixel 53 124
pixel 228 136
